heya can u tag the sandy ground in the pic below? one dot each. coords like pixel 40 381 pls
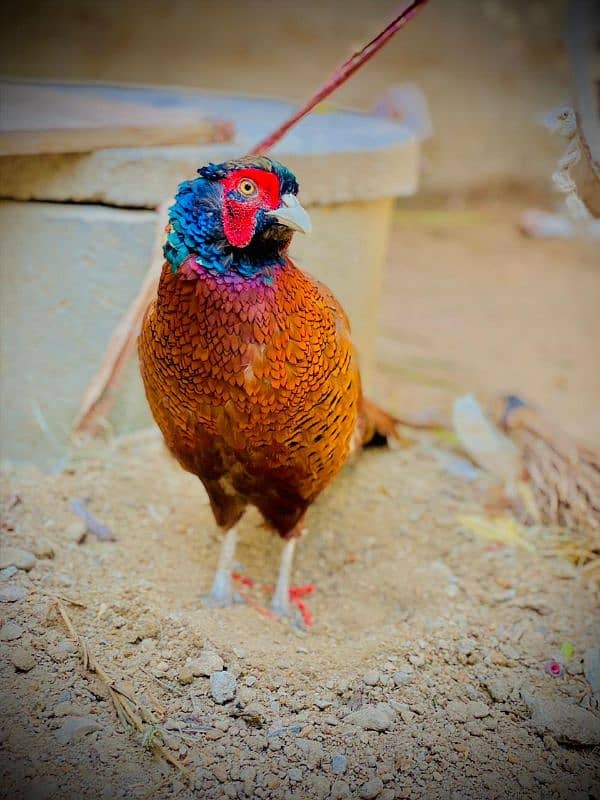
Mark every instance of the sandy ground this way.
pixel 425 672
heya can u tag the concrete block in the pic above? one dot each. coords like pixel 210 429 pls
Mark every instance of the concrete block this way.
pixel 68 273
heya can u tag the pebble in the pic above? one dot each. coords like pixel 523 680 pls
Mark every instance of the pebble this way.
pixel 206 663
pixel 417 659
pixel 77 531
pixel 401 678
pixel 68 709
pixel 498 689
pixel 12 593
pixel 15 557
pixel 373 717
pixel 458 711
pixel 222 686
pixel 340 790
pixel 43 549
pixel 591 668
pixel 185 676
pixel 339 764
pixel 7 573
pixel 10 631
pixel 22 659
pixel 372 677
pixel 567 723
pixel 75 728
pixel 372 788
pixel 295 774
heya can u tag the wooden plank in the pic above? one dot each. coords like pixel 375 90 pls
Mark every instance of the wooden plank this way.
pixel 52 118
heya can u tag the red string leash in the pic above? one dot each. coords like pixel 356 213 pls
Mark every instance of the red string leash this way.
pixel 342 74
pixel 296 595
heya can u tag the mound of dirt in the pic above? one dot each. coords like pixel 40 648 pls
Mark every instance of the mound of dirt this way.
pixel 425 673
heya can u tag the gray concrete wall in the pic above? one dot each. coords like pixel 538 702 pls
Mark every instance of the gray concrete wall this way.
pixel 489 68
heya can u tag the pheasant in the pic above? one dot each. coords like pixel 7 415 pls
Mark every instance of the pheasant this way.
pixel 247 361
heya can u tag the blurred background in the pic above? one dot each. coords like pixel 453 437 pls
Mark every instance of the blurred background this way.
pixel 488 68
pixel 462 294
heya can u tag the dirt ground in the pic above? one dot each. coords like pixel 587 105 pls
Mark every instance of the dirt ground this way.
pixel 428 672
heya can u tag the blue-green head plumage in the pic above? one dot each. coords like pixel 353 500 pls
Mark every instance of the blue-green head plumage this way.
pixel 232 217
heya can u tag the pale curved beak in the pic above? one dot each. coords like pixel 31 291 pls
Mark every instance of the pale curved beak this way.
pixel 292 214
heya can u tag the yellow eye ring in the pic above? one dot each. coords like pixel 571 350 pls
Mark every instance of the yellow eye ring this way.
pixel 247 187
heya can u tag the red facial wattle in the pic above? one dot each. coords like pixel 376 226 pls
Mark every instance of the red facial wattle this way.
pixel 239 213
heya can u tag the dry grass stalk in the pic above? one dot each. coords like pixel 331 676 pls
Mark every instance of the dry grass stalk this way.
pixel 131 713
pixel 565 478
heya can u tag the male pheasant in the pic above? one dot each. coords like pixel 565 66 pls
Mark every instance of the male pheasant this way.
pixel 247 361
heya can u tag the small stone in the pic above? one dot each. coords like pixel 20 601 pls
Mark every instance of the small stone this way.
pixel 456 710
pixel 77 531
pixel 75 728
pixel 591 668
pixel 477 709
pixel 67 709
pixel 10 631
pixel 372 788
pixel 22 659
pixel 147 628
pixel 206 663
pixel 373 717
pixel 417 659
pixel 401 678
pixel 43 549
pixel 254 714
pixel 371 678
pixel 339 764
pixel 406 714
pixel 568 724
pixel 7 573
pixel 474 728
pixel 250 680
pixel 12 593
pixel 498 689
pixel 295 774
pixel 15 557
pixel 340 790
pixel 222 686
pixel 319 785
pixel 185 676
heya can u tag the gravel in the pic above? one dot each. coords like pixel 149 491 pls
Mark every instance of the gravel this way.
pixel 372 717
pixel 75 728
pixel 372 788
pixel 567 723
pixel 22 659
pixel 15 557
pixel 222 686
pixel 339 764
pixel 12 593
pixel 10 631
pixel 208 662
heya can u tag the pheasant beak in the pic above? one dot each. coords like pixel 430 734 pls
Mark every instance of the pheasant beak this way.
pixel 291 214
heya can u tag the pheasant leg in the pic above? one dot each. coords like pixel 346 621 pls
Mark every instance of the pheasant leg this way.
pixel 222 594
pixel 280 604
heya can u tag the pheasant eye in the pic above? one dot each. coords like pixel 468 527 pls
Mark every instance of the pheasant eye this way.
pixel 247 187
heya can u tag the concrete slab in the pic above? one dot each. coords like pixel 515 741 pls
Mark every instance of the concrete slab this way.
pixel 68 273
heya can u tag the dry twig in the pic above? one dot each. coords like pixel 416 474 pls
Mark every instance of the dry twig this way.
pixel 131 713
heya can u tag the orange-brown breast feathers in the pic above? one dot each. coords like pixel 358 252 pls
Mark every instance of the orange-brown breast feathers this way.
pixel 254 382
